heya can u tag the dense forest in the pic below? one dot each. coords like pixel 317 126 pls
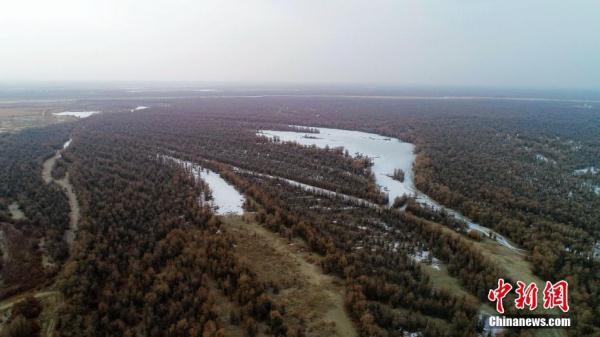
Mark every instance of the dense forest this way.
pixel 510 165
pixel 44 208
pixel 149 201
pixel 480 157
pixel 152 259
pixel 372 248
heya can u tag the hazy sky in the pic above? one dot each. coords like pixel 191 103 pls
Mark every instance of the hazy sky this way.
pixel 514 43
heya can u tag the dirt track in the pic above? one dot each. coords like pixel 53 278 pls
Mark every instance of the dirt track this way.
pixel 66 186
pixel 306 291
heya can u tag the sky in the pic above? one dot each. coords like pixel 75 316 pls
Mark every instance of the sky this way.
pixel 491 43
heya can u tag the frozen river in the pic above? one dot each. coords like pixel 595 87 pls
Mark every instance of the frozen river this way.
pixel 225 198
pixel 387 154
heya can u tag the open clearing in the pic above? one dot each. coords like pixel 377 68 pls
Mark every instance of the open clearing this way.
pixel 308 294
pixel 15 116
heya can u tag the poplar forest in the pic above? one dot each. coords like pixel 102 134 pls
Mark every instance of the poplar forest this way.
pixel 320 249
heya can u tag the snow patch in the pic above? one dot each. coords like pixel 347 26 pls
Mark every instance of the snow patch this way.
pixel 78 114
pixel 138 108
pixel 423 256
pixel 586 170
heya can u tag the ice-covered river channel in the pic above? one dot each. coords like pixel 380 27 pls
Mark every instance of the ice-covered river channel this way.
pixel 387 154
pixel 225 198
